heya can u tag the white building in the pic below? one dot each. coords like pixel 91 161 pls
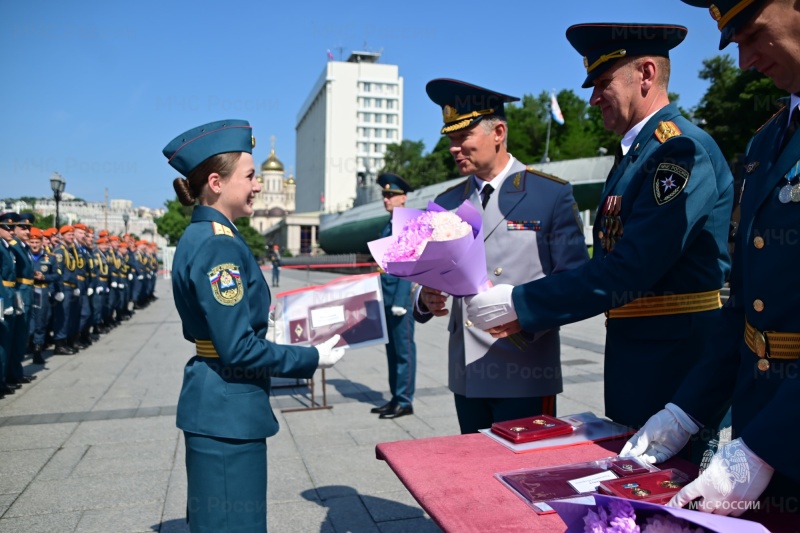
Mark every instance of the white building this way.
pixel 353 112
pixel 277 196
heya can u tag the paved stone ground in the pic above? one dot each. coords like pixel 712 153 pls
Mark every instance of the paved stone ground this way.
pixel 91 445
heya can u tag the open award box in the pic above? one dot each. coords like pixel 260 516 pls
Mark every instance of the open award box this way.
pixel 621 476
pixel 351 306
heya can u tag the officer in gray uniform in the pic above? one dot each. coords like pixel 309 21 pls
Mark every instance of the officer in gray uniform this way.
pixel 531 229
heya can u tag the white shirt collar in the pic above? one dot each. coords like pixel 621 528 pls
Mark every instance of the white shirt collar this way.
pixel 630 136
pixel 496 181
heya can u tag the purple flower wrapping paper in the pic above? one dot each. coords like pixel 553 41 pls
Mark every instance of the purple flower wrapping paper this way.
pixel 457 267
pixel 572 514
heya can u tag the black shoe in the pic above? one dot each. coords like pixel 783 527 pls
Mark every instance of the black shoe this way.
pixel 95 337
pixel 24 380
pixel 382 409
pixel 13 386
pixel 61 349
pixel 397 411
pixel 6 390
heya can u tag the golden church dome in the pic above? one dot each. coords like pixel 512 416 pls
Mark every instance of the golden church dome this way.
pixel 272 164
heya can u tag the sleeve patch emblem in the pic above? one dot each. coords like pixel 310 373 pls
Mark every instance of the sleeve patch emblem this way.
pixel 226 284
pixel 668 182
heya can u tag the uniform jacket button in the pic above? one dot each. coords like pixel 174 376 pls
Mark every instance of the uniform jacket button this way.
pixel 498 271
pixel 758 242
pixel 758 305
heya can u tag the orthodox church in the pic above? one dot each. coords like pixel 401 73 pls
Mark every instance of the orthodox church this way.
pixel 277 196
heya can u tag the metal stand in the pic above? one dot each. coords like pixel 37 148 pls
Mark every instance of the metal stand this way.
pixel 314 406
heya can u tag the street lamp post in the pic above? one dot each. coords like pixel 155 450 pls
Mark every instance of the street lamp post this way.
pixel 125 218
pixel 58 184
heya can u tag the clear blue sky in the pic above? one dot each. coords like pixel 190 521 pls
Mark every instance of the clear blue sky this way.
pixel 95 89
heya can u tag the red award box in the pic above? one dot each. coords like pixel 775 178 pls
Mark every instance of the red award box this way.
pixel 531 428
pixel 653 487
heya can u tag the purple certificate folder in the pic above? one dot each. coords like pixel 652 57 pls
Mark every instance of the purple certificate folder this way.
pixel 351 306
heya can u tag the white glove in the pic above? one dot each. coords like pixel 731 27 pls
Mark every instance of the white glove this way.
pixel 140 277
pixel 398 311
pixel 113 284
pixel 328 355
pixel 130 277
pixel 59 296
pixel 89 291
pixel 76 292
pixel 735 477
pixel 8 311
pixel 662 436
pixel 492 308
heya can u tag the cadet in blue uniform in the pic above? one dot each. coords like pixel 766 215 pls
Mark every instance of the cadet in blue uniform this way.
pixel 753 354
pixel 401 351
pixel 223 301
pixel 531 229
pixel 44 275
pixel 64 312
pixel 660 236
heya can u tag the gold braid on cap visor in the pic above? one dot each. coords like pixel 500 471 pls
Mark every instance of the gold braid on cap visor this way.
pixel 602 59
pixel 450 115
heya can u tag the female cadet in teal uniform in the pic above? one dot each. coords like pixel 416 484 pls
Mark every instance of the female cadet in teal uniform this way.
pixel 223 301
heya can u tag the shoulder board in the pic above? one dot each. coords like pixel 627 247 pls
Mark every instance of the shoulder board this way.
pixel 771 118
pixel 666 130
pixel 456 186
pixel 221 229
pixel 541 174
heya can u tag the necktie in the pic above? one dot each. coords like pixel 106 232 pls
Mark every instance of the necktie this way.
pixel 485 194
pixel 617 158
pixel 793 123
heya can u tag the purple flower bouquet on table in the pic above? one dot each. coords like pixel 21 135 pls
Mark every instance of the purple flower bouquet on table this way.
pixel 436 248
pixel 617 515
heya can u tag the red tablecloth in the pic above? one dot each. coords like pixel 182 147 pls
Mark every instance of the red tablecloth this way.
pixel 452 478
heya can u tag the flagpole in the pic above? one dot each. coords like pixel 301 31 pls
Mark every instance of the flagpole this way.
pixel 545 158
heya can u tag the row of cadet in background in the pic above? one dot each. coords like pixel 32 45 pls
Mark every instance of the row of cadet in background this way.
pixel 64 287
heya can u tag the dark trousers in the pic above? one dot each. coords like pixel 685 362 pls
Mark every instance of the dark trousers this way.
pixel 227 484
pixel 41 315
pixel 86 309
pixel 401 355
pixel 19 342
pixel 480 413
pixel 6 332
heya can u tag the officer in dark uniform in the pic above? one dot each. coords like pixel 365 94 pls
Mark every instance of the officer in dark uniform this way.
pixel 223 300
pixel 660 236
pixel 24 294
pixel 8 272
pixel 45 275
pixel 754 354
pixel 401 350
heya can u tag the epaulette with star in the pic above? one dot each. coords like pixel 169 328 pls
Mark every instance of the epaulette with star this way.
pixel 666 130
pixel 545 175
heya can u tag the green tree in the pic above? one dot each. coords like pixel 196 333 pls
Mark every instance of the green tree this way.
pixel 43 222
pixel 406 159
pixel 174 221
pixel 252 237
pixel 735 105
